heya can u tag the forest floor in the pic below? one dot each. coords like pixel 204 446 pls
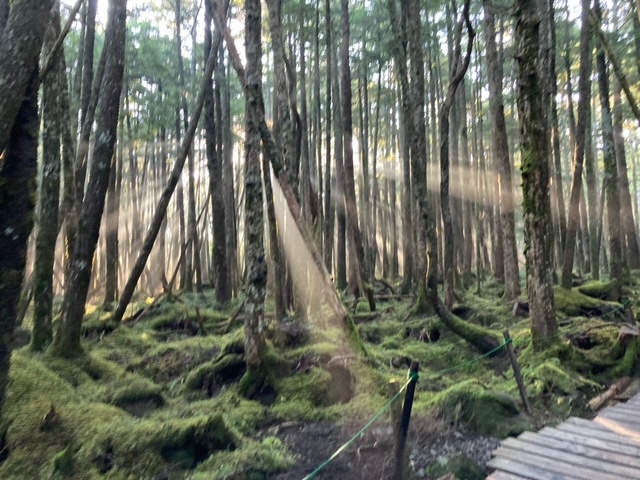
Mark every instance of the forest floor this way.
pixel 158 397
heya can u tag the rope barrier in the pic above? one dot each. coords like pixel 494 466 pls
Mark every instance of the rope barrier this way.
pixel 395 397
pixel 362 430
pixel 415 376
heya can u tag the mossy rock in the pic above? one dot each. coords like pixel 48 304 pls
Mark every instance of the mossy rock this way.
pixel 461 466
pixel 481 410
pixel 312 387
pixel 574 304
pixel 63 465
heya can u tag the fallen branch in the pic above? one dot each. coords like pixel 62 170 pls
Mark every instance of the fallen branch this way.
pixel 615 389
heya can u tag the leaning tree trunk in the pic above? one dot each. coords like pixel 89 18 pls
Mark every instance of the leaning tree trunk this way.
pixel 349 185
pixel 48 198
pixel 535 174
pixel 584 117
pixel 501 151
pixel 163 203
pixel 610 172
pixel 256 266
pixel 67 342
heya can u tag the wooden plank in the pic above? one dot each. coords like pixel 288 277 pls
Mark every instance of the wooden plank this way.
pixel 525 470
pixel 623 417
pixel 579 449
pixel 619 427
pixel 564 436
pixel 500 475
pixel 557 465
pixel 614 431
pixel 597 431
pixel 630 414
pixel 580 459
pixel 632 411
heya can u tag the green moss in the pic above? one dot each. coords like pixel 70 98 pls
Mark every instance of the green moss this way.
pixel 484 411
pixel 629 361
pixel 224 369
pixel 550 377
pixel 253 460
pixel 573 303
pixel 311 387
pixel 461 466
pixel 135 393
pixel 63 463
pixel 598 289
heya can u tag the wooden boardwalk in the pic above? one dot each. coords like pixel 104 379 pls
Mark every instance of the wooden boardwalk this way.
pixel 605 448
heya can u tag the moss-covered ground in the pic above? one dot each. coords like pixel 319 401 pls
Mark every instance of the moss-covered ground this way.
pixel 159 396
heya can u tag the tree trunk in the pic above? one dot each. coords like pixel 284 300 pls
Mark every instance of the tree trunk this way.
pixel 458 70
pixel 584 117
pixel 17 187
pixel 214 162
pixel 112 224
pixel 501 151
pixel 349 185
pixel 610 172
pixel 626 209
pixel 48 198
pixel 163 203
pixel 67 342
pixel 256 265
pixel 329 206
pixel 535 174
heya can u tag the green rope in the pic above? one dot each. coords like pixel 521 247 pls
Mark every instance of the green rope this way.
pixel 363 429
pixel 472 361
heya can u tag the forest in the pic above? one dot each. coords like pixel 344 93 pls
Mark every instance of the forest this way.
pixel 229 228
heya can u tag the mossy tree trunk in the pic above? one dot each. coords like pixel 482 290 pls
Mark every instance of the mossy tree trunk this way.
pixel 48 197
pixel 400 53
pixel 256 266
pixel 284 136
pixel 77 285
pixel 584 118
pixel 214 163
pixel 112 221
pixel 501 151
pixel 22 29
pixel 535 173
pixel 349 183
pixel 610 172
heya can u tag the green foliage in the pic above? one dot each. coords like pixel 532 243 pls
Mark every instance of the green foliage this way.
pixel 550 377
pixel 461 466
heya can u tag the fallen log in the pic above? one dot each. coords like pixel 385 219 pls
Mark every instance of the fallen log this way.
pixel 615 389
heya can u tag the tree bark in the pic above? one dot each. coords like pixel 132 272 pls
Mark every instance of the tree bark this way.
pixel 18 170
pixel 256 266
pixel 458 70
pixel 535 174
pixel 214 162
pixel 349 186
pixel 163 202
pixel 48 198
pixel 610 171
pixel 20 46
pixel 501 151
pixel 584 117
pixel 67 342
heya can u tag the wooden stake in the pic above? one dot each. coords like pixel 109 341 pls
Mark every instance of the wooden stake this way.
pixel 516 372
pixel 404 424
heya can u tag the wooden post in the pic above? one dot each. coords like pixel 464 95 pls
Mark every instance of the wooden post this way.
pixel 404 424
pixel 516 372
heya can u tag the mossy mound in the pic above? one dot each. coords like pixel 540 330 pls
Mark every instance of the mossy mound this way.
pixel 481 410
pixel 572 303
pixel 211 376
pixel 598 289
pixel 461 466
pixel 549 377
